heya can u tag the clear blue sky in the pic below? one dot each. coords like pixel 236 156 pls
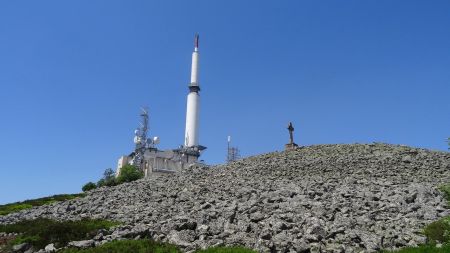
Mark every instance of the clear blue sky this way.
pixel 73 75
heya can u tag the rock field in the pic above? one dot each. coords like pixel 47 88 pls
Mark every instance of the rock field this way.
pixel 324 198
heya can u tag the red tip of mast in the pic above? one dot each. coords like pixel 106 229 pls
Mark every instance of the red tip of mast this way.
pixel 196 40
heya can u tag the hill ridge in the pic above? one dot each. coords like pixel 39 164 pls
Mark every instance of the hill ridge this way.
pixel 330 197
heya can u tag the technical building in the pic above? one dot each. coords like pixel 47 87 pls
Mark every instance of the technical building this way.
pixel 152 160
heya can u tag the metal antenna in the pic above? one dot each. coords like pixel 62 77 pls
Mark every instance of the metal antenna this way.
pixel 144 122
pixel 233 153
pixel 140 139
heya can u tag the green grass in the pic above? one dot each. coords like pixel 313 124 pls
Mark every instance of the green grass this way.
pixel 422 249
pixel 226 250
pixel 135 246
pixel 17 206
pixel 148 246
pixel 12 208
pixel 41 232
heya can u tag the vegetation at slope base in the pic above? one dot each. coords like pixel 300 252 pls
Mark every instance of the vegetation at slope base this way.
pixel 17 206
pixel 41 232
pixel 148 246
pixel 135 246
pixel 226 250
pixel 423 249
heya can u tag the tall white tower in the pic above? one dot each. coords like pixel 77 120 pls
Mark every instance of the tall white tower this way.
pixel 193 102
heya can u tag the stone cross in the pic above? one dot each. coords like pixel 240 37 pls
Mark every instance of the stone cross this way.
pixel 291 133
pixel 291 144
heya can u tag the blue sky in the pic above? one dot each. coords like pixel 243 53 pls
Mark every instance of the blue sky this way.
pixel 73 75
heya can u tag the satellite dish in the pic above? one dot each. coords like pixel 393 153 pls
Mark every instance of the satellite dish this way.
pixel 156 140
pixel 137 140
pixel 136 132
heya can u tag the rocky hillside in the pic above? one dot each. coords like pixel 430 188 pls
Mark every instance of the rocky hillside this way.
pixel 329 198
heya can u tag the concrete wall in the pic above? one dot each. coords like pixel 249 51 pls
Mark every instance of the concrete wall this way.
pixel 123 160
pixel 157 161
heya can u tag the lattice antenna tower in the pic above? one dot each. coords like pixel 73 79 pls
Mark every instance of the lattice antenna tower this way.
pixel 140 139
pixel 144 124
pixel 233 153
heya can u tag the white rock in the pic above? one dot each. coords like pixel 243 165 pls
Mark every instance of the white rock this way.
pixel 50 248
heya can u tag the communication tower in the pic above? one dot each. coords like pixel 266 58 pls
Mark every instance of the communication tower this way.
pixel 233 153
pixel 140 140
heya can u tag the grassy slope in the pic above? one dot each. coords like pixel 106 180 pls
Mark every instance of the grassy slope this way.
pixel 423 249
pixel 226 250
pixel 148 246
pixel 135 246
pixel 17 206
pixel 41 232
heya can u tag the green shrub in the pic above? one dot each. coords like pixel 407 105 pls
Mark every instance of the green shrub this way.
pixel 129 173
pixel 135 246
pixel 89 186
pixel 17 206
pixel 108 179
pixel 446 190
pixel 41 232
pixel 110 182
pixel 26 239
pixel 438 231
pixel 101 182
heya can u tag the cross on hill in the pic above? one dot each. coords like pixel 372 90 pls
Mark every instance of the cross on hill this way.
pixel 291 144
